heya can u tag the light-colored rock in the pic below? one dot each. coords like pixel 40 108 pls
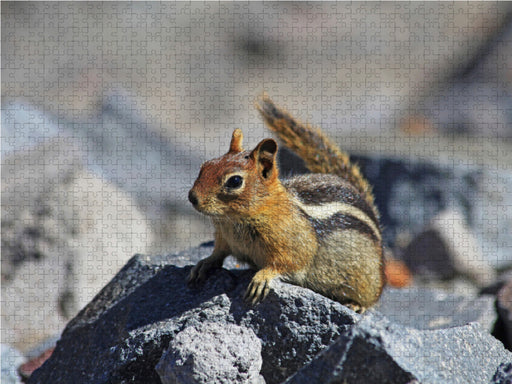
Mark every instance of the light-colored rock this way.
pixel 212 353
pixel 463 247
pixel 109 229
pixel 65 234
pixel 447 247
pixel 424 308
pixel 31 301
pixel 10 359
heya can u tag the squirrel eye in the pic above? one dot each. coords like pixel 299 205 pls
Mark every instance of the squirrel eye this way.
pixel 234 182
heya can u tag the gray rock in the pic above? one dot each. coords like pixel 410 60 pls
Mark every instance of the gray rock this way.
pixel 212 353
pixel 423 308
pixel 133 319
pixel 65 233
pixel 24 126
pixel 10 359
pixel 410 194
pixel 145 308
pixel 378 351
pixel 119 146
pixel 31 302
pixel 447 247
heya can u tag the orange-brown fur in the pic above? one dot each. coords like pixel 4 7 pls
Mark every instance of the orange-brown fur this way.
pixel 259 220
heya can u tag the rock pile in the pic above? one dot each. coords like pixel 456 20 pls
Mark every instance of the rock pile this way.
pixel 147 326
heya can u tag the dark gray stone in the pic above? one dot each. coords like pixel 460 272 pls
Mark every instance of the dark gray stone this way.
pixel 423 308
pixel 133 319
pixel 144 309
pixel 378 351
pixel 212 353
pixel 409 194
pixel 428 255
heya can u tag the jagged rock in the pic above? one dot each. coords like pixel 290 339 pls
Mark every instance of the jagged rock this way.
pixel 135 318
pixel 132 321
pixel 212 353
pixel 378 351
pixel 424 308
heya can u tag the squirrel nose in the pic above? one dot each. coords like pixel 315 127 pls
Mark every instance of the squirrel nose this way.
pixel 192 197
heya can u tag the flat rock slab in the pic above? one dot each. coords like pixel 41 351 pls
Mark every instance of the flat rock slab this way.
pixel 147 307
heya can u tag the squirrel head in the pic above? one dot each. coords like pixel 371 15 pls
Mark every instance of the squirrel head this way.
pixel 235 184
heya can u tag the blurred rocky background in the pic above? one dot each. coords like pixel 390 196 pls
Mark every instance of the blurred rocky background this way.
pixel 108 110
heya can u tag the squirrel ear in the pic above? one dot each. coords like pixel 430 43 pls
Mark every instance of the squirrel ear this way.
pixel 265 156
pixel 236 141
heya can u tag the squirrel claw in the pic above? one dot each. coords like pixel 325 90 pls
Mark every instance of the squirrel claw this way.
pixel 256 292
pixel 258 289
pixel 193 277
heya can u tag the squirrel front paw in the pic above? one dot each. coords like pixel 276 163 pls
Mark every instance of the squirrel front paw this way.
pixel 259 286
pixel 200 271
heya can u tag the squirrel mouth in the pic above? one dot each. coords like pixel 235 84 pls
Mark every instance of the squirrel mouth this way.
pixel 206 212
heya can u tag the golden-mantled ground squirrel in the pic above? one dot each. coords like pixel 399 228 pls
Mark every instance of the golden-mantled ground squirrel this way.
pixel 320 231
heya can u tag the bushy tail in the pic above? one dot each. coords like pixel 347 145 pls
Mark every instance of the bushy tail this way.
pixel 319 153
